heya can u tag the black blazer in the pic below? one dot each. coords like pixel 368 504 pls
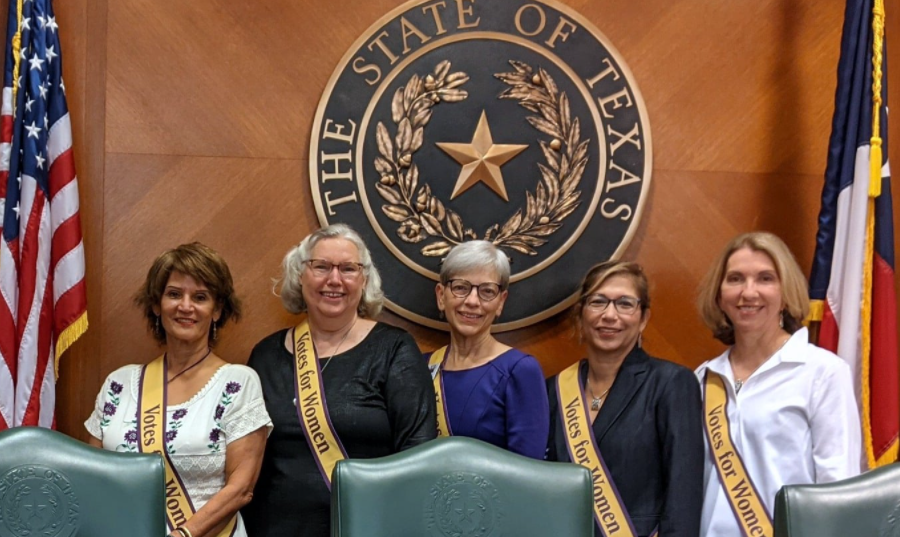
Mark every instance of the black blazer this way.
pixel 650 433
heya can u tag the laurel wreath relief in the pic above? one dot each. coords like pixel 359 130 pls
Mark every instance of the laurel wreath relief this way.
pixel 423 216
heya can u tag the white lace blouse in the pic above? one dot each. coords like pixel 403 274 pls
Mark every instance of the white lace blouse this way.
pixel 229 407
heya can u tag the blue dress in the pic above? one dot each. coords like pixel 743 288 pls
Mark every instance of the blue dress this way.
pixel 503 402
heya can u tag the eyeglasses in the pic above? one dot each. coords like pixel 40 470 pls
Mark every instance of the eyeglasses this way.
pixel 348 270
pixel 487 291
pixel 625 305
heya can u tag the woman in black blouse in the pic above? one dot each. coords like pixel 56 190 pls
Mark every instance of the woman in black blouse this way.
pixel 379 394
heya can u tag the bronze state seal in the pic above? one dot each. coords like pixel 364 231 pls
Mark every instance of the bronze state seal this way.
pixel 514 122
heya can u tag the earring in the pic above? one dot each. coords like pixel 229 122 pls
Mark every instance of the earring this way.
pixel 214 331
pixel 158 330
pixel 781 319
pixel 441 315
pixel 640 342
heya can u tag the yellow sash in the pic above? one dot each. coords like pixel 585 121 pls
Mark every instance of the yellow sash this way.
pixel 436 363
pixel 314 420
pixel 748 508
pixel 609 511
pixel 151 439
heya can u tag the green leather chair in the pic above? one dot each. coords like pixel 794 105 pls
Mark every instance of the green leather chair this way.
pixel 862 506
pixel 460 487
pixel 54 486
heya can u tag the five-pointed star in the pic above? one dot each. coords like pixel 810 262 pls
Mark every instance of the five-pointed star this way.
pixel 481 160
pixel 33 130
pixel 36 63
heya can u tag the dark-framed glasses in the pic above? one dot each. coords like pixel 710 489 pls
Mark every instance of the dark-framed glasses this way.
pixel 626 305
pixel 348 270
pixel 487 291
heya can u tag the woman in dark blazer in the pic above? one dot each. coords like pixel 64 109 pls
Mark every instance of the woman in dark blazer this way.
pixel 632 419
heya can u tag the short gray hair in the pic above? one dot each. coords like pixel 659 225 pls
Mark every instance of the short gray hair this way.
pixel 470 256
pixel 291 291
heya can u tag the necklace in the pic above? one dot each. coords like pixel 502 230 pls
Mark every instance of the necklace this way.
pixel 597 401
pixel 336 349
pixel 738 383
pixel 192 366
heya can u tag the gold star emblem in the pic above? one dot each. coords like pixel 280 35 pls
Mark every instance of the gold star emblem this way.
pixel 481 160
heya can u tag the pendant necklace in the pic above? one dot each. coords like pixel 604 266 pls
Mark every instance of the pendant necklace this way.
pixel 341 342
pixel 597 401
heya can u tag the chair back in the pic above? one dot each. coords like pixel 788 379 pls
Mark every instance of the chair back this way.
pixel 868 504
pixel 54 486
pixel 460 487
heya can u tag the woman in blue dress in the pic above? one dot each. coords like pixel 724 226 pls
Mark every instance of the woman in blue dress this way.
pixel 485 389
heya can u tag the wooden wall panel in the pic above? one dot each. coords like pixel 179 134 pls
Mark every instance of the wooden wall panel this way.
pixel 192 123
pixel 249 210
pixel 83 46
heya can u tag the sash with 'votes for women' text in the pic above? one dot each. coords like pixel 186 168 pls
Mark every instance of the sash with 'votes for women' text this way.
pixel 609 510
pixel 436 364
pixel 151 439
pixel 323 441
pixel 749 510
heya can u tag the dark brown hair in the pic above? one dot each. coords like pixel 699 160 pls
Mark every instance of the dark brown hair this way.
pixel 597 276
pixel 199 262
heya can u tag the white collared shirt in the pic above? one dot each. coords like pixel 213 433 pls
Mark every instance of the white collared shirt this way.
pixel 795 421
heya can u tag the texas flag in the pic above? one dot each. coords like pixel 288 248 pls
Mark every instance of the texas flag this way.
pixel 852 280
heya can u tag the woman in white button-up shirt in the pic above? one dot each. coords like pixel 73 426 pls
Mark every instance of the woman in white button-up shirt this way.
pixel 791 409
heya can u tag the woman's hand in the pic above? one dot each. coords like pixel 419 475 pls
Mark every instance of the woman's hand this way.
pixel 243 458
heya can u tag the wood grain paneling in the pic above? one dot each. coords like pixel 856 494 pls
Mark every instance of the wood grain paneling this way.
pixel 192 122
pixel 83 45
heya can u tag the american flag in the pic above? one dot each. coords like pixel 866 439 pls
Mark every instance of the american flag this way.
pixel 43 303
pixel 852 281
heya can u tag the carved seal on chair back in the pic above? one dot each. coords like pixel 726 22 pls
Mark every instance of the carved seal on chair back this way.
pixel 36 500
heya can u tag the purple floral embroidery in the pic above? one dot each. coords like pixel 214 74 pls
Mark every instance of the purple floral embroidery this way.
pixel 110 406
pixel 131 438
pixel 170 437
pixel 172 428
pixel 215 436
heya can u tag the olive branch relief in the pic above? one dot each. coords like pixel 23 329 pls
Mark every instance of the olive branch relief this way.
pixel 423 216
pixel 420 213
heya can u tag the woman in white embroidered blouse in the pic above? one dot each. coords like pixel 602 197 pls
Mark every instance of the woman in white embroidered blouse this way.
pixel 790 406
pixel 216 422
